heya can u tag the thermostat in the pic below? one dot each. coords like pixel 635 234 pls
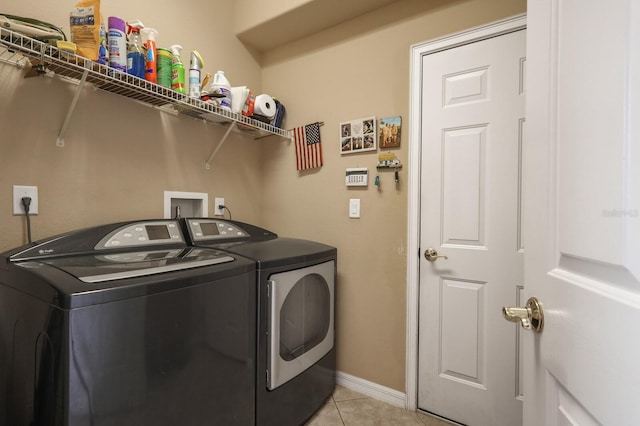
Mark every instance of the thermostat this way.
pixel 357 177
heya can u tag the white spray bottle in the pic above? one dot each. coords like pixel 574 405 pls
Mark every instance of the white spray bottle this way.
pixel 195 70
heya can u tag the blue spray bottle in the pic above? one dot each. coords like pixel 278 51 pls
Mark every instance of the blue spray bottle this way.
pixel 135 51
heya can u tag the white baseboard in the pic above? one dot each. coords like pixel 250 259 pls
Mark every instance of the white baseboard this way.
pixel 370 389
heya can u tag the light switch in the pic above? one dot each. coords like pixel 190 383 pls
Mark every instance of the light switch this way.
pixel 354 208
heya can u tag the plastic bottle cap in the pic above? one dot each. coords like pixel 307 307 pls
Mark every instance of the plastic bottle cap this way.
pixel 196 60
pixel 151 33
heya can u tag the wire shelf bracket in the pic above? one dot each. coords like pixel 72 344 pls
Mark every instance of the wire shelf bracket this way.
pixel 215 151
pixel 72 107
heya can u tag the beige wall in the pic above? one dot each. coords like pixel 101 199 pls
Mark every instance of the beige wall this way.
pixel 353 70
pixel 120 156
pixel 358 69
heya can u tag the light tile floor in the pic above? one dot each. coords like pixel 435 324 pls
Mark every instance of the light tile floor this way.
pixel 349 408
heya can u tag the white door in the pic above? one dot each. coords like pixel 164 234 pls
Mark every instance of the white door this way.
pixel 472 126
pixel 582 204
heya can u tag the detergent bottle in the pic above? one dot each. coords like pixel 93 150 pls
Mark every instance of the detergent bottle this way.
pixel 196 64
pixel 135 52
pixel 177 69
pixel 222 89
pixel 152 62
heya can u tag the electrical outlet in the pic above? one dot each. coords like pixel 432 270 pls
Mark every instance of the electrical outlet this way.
pixel 20 191
pixel 218 211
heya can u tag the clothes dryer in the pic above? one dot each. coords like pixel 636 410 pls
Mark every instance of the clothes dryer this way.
pixel 125 324
pixel 296 310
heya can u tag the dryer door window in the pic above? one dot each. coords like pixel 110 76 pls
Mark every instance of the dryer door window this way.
pixel 301 329
pixel 304 316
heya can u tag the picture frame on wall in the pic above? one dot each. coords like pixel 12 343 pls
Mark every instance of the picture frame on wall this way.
pixel 390 132
pixel 359 135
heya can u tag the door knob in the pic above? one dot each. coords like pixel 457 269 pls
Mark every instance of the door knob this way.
pixel 530 317
pixel 432 255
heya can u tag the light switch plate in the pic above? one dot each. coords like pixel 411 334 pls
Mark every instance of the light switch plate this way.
pixel 354 208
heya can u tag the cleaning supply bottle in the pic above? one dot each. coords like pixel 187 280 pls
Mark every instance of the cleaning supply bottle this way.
pixel 195 69
pixel 222 89
pixel 152 63
pixel 117 44
pixel 177 69
pixel 103 49
pixel 135 52
pixel 164 67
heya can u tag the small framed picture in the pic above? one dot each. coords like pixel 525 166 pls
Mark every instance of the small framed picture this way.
pixel 390 131
pixel 358 135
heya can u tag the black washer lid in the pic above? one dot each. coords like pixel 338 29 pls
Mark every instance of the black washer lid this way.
pixel 118 266
pixel 77 281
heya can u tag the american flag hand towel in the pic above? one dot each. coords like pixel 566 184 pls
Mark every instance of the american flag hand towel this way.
pixel 308 146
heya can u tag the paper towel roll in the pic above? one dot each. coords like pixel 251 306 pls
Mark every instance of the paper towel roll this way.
pixel 264 105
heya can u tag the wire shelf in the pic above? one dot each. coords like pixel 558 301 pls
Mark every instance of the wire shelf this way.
pixel 24 51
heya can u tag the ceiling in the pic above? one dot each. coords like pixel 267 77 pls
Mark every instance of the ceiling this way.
pixel 309 18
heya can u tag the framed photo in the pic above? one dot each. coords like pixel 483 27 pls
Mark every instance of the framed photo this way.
pixel 358 135
pixel 390 132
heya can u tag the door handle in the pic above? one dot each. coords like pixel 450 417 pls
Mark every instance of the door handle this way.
pixel 432 255
pixel 531 317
